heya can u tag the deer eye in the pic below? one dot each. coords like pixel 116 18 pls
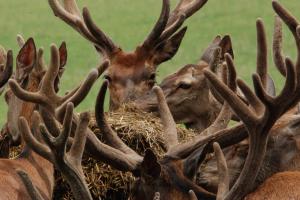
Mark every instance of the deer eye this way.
pixel 184 86
pixel 107 77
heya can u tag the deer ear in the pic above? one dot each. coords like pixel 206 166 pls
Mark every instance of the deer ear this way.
pixel 271 90
pixel 26 60
pixel 192 163
pixel 63 54
pixel 226 47
pixel 166 50
pixel 150 168
pixel 2 56
pixel 207 55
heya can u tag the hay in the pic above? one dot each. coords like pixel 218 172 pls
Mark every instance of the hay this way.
pixel 140 131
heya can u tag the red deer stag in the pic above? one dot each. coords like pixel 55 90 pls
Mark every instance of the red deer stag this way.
pixel 29 73
pixel 187 92
pixel 131 74
pixel 181 161
pixel 261 115
pixel 284 135
pixel 38 169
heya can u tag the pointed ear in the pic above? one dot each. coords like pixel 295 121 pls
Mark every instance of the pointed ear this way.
pixel 150 168
pixel 192 163
pixel 207 55
pixel 26 60
pixel 226 47
pixel 63 54
pixel 271 90
pixel 167 49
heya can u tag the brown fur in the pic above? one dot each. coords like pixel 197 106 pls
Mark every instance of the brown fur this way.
pixel 288 182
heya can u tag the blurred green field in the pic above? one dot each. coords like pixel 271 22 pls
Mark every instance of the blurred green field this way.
pixel 127 22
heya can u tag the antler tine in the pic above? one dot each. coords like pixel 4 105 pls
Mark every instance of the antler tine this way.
pixel 292 23
pixel 6 74
pixel 103 41
pixel 236 103
pixel 192 195
pixel 188 7
pixel 70 14
pixel 169 31
pixel 20 40
pixel 80 94
pixel 31 141
pixel 262 52
pixel 170 131
pixel 156 196
pixel 47 85
pixel 153 37
pixel 278 56
pixel 109 135
pixel 31 189
pixel 224 179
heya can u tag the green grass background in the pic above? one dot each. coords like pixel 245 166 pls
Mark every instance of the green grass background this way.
pixel 127 22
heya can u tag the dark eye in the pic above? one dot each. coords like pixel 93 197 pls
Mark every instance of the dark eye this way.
pixel 107 77
pixel 184 86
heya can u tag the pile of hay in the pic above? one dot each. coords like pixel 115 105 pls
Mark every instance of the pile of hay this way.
pixel 137 129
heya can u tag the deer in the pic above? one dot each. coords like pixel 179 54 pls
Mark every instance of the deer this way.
pixel 282 153
pixel 116 153
pixel 30 70
pixel 187 90
pixel 54 149
pixel 131 74
pixel 40 170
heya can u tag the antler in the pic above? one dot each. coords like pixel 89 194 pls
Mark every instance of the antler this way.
pixel 83 24
pixel 263 112
pixel 186 8
pixel 46 96
pixel 109 135
pixel 278 56
pixel 224 179
pixel 6 66
pixel 31 189
pixel 68 162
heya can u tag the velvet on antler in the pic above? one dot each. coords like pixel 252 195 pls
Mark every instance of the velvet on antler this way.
pixel 68 162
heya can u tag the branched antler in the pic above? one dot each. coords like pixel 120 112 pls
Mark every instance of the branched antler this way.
pixel 263 112
pixel 46 96
pixel 68 162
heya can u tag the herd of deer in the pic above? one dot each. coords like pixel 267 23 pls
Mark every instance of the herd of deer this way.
pixel 261 153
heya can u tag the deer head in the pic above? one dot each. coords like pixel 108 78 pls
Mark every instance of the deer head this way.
pixel 187 90
pixel 172 176
pixel 30 71
pixel 131 74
